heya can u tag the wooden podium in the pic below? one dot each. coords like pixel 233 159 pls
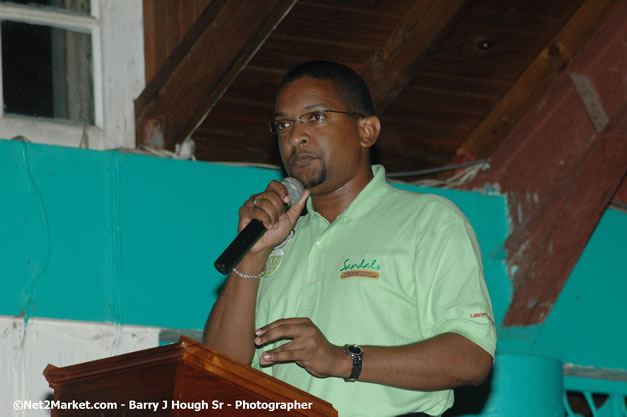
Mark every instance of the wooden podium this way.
pixel 181 379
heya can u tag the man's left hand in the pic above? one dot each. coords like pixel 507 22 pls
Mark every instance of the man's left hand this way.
pixel 308 347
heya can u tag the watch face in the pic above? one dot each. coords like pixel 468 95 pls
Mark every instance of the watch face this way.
pixel 354 349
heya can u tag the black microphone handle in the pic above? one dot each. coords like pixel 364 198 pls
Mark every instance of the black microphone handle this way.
pixel 240 246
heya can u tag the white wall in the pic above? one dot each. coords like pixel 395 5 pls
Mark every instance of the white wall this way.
pixel 25 351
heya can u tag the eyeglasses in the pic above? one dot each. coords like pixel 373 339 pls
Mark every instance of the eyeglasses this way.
pixel 314 118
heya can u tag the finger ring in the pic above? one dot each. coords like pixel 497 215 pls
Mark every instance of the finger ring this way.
pixel 255 200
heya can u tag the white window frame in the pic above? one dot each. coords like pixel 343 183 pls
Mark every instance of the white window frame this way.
pixel 116 29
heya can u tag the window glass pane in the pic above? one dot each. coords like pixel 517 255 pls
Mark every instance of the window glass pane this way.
pixel 79 6
pixel 47 72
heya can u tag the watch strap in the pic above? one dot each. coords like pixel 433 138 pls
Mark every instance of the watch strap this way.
pixel 356 354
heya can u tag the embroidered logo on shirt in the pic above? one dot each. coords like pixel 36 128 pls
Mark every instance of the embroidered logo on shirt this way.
pixel 363 269
pixel 276 257
pixel 478 315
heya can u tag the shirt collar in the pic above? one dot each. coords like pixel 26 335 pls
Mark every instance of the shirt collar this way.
pixel 366 200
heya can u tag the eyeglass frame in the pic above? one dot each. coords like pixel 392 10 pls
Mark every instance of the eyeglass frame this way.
pixel 302 123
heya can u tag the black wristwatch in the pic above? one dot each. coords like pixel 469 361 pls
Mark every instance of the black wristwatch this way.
pixel 357 354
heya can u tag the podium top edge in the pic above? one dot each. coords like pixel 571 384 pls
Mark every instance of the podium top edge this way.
pixel 56 374
pixel 193 353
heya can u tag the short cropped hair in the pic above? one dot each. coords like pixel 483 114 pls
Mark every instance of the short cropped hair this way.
pixel 350 87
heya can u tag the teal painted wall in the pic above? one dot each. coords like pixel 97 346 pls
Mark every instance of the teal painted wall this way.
pixel 588 324
pixel 106 236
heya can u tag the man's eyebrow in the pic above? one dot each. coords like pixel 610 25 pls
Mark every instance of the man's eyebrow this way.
pixel 309 107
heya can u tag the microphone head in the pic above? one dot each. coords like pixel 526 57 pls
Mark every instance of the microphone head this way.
pixel 294 188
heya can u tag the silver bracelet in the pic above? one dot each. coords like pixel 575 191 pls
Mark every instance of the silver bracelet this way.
pixel 259 275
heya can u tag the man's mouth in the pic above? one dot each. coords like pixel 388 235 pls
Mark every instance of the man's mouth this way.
pixel 300 160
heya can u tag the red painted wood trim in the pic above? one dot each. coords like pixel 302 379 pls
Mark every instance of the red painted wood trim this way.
pixel 560 167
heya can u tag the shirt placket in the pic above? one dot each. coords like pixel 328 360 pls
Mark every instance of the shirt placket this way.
pixel 315 271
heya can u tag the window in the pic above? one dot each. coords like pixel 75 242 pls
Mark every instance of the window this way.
pixel 47 72
pixel 71 70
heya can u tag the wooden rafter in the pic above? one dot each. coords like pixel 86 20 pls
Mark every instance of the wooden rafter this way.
pixel 203 65
pixel 560 167
pixel 620 198
pixel 391 68
pixel 554 241
pixel 536 79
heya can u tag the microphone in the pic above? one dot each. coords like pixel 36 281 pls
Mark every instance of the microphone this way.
pixel 253 231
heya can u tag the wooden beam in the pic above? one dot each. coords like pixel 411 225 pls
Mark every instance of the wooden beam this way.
pixel 165 23
pixel 548 248
pixel 536 79
pixel 202 67
pixel 620 198
pixel 390 69
pixel 560 167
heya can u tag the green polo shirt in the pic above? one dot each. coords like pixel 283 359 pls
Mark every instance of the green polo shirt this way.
pixel 396 267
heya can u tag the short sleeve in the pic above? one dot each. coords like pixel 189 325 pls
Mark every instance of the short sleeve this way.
pixel 452 295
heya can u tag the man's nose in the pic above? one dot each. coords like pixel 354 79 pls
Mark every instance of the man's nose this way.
pixel 299 134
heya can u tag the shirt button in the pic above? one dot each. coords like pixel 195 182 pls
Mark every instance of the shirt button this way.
pixel 318 244
pixel 313 278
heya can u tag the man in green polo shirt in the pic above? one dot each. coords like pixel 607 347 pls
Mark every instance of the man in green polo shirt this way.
pixel 375 299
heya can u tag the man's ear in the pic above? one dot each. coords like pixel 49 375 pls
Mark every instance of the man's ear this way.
pixel 369 129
